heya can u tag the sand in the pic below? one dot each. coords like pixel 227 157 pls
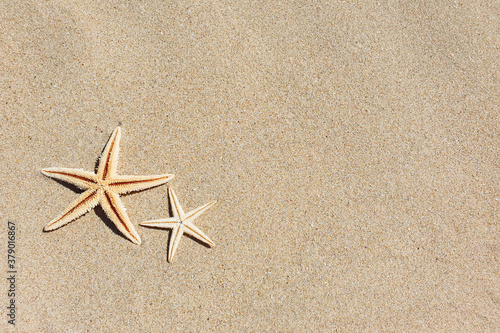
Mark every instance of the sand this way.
pixel 353 149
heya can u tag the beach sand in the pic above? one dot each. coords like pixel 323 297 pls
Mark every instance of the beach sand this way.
pixel 353 149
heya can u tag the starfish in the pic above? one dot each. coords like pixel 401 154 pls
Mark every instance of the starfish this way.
pixel 181 223
pixel 103 188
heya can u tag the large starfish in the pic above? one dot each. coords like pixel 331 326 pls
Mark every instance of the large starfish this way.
pixel 180 223
pixel 103 188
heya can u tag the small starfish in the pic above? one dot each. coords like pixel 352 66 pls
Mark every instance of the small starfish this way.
pixel 103 188
pixel 180 223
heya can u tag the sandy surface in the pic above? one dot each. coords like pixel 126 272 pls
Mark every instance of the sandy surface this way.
pixel 353 150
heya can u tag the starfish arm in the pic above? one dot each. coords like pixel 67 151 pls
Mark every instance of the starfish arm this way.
pixel 192 215
pixel 175 239
pixel 167 223
pixel 87 200
pixel 77 177
pixel 114 209
pixel 126 184
pixel 109 158
pixel 176 206
pixel 192 230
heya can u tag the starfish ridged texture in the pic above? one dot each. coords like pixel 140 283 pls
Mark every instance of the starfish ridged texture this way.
pixel 103 188
pixel 180 223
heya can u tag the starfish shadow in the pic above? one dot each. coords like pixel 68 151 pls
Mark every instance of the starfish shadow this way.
pixel 197 241
pixel 102 215
pixel 96 164
pixel 69 186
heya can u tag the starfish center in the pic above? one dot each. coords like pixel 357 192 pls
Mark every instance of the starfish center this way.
pixel 103 184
